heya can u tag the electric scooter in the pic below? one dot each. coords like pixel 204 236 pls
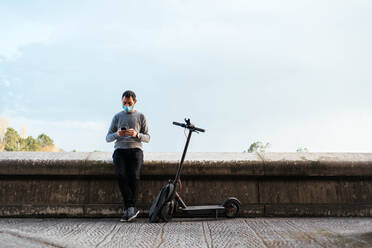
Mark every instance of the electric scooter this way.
pixel 169 203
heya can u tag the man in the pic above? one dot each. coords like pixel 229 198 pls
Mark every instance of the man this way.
pixel 129 129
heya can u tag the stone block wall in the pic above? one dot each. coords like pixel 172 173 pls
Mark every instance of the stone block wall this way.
pixel 47 184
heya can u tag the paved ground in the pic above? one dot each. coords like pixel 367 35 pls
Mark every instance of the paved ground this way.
pixel 247 232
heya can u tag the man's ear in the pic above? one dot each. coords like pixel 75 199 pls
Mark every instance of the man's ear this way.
pixel 135 101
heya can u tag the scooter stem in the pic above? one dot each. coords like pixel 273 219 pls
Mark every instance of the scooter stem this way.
pixel 182 159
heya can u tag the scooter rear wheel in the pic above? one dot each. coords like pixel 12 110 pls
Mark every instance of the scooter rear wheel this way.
pixel 167 211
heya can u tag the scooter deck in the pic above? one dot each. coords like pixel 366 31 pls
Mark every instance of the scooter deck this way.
pixel 206 208
pixel 202 211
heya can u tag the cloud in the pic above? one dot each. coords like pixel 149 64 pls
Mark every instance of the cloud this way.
pixel 18 32
pixel 12 100
pixel 65 124
pixel 343 130
pixel 4 82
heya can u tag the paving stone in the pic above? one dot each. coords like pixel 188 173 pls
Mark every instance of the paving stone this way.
pixel 241 232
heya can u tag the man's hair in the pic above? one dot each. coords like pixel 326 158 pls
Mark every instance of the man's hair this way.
pixel 129 93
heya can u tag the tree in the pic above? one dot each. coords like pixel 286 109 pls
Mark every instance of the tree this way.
pixel 45 140
pixel 302 149
pixel 22 144
pixel 32 144
pixel 11 140
pixel 258 146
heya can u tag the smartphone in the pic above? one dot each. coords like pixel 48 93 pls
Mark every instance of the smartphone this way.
pixel 123 128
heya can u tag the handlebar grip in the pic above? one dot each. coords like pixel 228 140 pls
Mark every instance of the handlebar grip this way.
pixel 179 124
pixel 199 129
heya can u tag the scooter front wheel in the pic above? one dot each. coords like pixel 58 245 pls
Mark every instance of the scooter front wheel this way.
pixel 232 206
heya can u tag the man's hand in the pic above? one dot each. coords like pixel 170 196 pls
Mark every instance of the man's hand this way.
pixel 121 133
pixel 131 132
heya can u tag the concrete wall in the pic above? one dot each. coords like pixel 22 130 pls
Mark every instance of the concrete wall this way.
pixel 269 184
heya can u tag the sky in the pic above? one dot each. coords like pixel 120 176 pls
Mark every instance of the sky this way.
pixel 291 73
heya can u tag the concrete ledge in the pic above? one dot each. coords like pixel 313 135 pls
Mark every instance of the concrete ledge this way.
pixel 100 163
pixel 270 184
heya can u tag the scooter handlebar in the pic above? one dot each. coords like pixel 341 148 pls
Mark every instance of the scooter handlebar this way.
pixel 192 127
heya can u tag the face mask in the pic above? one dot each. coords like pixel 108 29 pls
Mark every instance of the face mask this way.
pixel 127 109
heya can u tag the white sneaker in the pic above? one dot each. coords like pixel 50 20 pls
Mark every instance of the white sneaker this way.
pixel 132 213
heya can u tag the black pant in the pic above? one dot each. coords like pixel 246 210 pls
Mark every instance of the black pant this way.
pixel 128 163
